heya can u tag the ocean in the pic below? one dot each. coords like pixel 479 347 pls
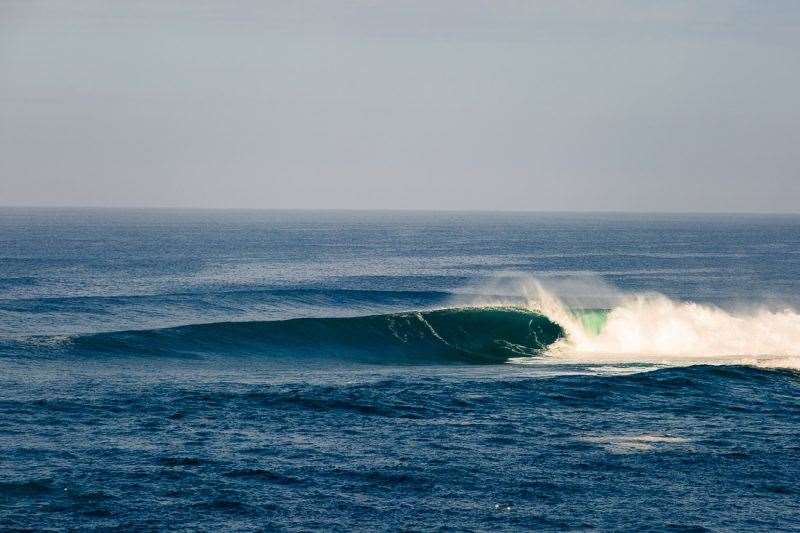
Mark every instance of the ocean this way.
pixel 457 371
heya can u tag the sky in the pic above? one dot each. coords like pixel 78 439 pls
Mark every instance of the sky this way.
pixel 637 105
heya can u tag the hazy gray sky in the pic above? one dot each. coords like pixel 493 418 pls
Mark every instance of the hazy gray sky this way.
pixel 534 105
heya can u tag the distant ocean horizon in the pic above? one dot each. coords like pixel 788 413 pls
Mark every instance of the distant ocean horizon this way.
pixel 286 369
pixel 579 212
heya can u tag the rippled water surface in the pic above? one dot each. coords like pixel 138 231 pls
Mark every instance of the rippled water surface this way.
pixel 384 371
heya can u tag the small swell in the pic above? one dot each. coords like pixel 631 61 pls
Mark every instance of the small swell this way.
pixel 28 487
pixel 263 475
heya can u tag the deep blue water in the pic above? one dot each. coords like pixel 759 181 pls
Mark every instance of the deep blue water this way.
pixel 238 370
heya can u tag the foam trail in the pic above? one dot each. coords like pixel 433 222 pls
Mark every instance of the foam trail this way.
pixel 652 328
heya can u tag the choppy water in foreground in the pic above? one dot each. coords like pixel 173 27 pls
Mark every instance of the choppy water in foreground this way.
pixel 340 371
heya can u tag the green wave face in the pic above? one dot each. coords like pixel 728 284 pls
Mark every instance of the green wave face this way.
pixel 495 334
pixel 466 335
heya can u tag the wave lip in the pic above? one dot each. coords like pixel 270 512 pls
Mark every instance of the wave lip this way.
pixel 461 335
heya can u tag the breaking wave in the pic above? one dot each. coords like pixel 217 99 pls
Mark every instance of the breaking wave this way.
pixel 652 328
pixel 533 325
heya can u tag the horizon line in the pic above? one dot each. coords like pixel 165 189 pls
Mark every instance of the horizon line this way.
pixel 398 209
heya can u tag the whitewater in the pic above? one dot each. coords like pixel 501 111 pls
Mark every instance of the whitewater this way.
pixel 652 328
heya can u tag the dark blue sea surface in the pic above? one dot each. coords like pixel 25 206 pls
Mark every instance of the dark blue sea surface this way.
pixel 278 370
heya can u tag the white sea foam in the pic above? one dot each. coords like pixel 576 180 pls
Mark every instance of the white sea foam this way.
pixel 652 328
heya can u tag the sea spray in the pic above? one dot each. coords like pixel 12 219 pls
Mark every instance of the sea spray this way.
pixel 652 328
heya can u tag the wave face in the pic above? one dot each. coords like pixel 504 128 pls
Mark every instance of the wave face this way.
pixel 468 335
